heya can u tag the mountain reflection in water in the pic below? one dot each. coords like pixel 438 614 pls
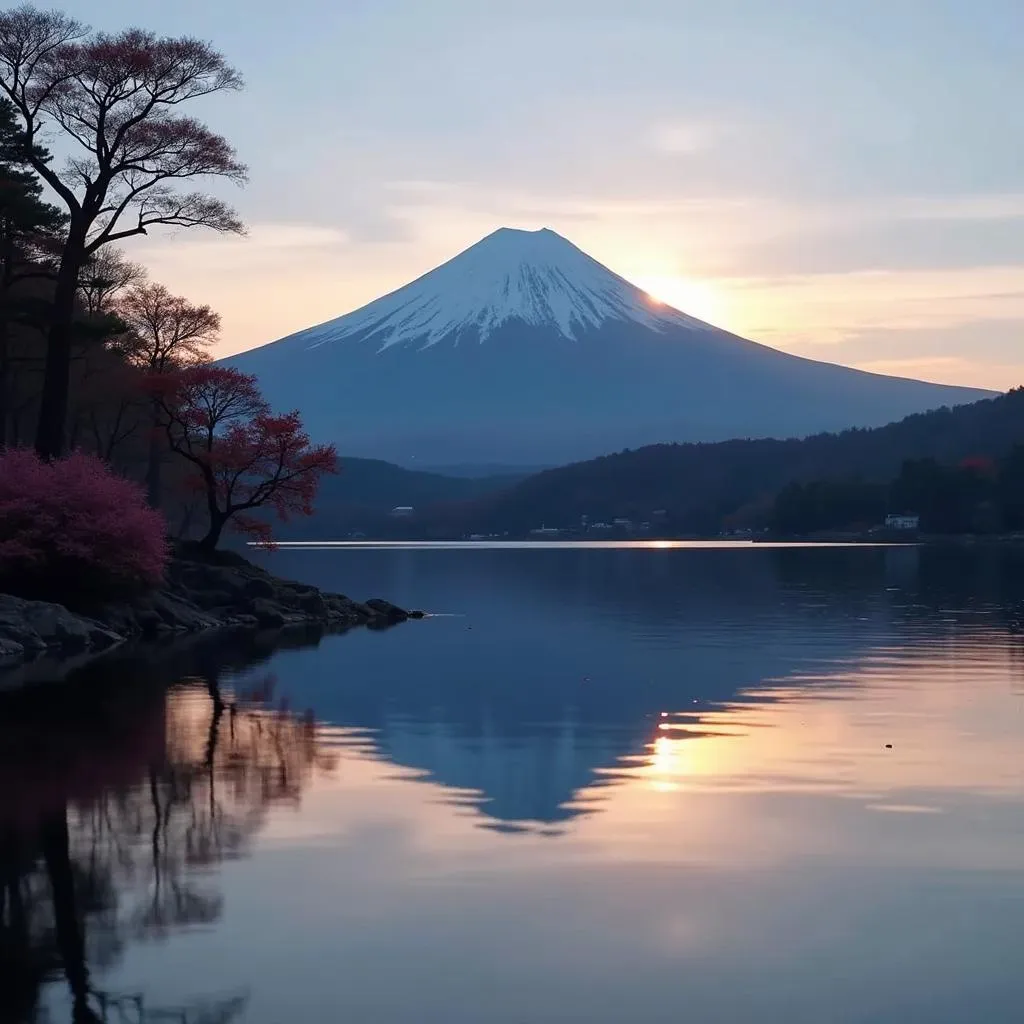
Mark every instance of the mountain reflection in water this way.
pixel 641 739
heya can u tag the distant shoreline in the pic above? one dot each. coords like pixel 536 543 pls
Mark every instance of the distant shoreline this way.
pixel 834 540
pixel 626 543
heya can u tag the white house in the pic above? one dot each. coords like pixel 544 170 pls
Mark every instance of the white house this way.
pixel 900 522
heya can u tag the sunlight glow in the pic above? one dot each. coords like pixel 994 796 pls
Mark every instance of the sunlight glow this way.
pixel 689 295
pixel 666 759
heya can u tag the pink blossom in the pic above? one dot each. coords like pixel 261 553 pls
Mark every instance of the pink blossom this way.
pixel 75 525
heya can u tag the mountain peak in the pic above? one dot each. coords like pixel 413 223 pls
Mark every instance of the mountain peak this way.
pixel 523 231
pixel 537 278
pixel 524 238
pixel 520 245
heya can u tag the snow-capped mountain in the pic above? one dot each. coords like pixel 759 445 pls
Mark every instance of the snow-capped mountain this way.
pixel 535 278
pixel 523 350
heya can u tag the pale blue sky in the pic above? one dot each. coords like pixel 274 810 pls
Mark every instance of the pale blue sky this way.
pixel 841 179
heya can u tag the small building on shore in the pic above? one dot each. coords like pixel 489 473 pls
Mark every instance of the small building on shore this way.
pixel 902 521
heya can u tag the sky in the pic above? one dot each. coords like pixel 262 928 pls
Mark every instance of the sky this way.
pixel 840 180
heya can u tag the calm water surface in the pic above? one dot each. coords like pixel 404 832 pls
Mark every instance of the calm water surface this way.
pixel 609 785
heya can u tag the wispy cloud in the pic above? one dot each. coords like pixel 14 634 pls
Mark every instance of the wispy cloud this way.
pixel 823 309
pixel 263 243
pixel 711 233
pixel 1007 206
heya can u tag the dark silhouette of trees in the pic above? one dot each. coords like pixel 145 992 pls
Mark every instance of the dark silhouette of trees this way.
pixel 163 333
pixel 106 401
pixel 106 274
pixel 975 495
pixel 1009 490
pixel 703 486
pixel 29 230
pixel 113 100
pixel 803 508
pixel 949 499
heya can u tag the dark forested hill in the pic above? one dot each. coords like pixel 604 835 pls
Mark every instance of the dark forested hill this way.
pixel 705 486
pixel 383 485
pixel 363 493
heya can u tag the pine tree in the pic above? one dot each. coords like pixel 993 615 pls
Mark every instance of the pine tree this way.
pixel 29 240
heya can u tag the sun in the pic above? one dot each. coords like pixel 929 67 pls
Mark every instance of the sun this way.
pixel 689 295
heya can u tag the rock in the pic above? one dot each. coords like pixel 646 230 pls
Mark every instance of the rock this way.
pixel 312 603
pixel 208 598
pixel 36 626
pixel 231 619
pixel 361 612
pixel 387 611
pixel 11 648
pixel 149 622
pixel 268 615
pixel 181 615
pixel 257 587
pixel 116 618
pixel 100 639
pixel 202 591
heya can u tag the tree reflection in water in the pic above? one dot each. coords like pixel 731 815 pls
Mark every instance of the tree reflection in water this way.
pixel 116 798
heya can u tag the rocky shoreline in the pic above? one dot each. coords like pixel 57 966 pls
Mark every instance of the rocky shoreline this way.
pixel 201 592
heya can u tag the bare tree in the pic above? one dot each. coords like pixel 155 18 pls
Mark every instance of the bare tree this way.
pixel 164 333
pixel 106 274
pixel 113 100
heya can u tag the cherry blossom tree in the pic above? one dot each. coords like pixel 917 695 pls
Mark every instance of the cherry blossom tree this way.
pixel 112 101
pixel 74 528
pixel 244 457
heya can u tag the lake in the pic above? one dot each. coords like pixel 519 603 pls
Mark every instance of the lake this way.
pixel 603 784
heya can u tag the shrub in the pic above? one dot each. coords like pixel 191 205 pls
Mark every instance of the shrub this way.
pixel 74 531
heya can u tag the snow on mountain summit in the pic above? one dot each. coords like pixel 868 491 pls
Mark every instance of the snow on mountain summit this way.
pixel 536 277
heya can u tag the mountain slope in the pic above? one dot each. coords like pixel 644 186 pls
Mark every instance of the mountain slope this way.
pixel 523 350
pixel 381 485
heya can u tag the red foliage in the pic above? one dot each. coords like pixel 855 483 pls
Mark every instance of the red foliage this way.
pixel 244 456
pixel 980 464
pixel 74 528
